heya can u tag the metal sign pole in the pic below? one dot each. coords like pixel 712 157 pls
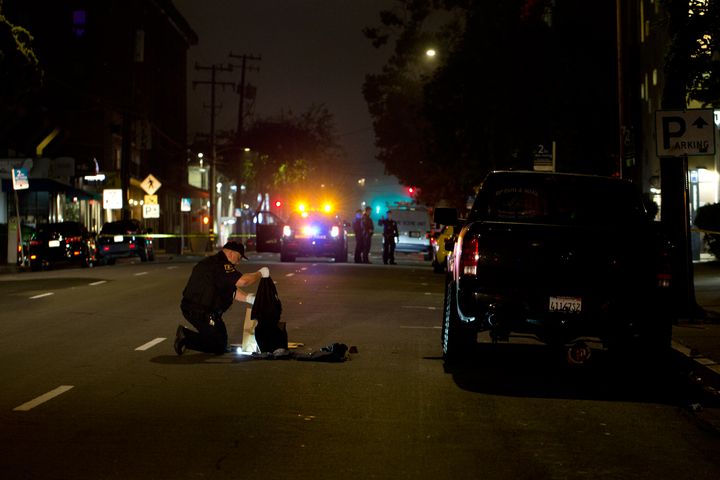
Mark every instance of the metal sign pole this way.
pixel 21 255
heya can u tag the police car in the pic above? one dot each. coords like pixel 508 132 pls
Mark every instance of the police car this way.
pixel 313 233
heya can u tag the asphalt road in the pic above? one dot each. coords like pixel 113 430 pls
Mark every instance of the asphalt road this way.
pixel 89 391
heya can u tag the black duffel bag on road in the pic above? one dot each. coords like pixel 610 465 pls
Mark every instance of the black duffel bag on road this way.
pixel 270 333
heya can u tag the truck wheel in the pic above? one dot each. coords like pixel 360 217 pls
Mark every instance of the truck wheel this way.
pixel 457 338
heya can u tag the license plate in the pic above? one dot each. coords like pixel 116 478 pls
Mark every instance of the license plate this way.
pixel 566 304
pixel 53 243
pixel 118 238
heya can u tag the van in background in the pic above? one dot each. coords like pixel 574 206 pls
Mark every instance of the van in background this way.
pixel 414 229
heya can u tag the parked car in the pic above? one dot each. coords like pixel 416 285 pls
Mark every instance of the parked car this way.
pixel 440 243
pixel 563 257
pixel 122 239
pixel 268 231
pixel 63 242
pixel 23 250
pixel 313 234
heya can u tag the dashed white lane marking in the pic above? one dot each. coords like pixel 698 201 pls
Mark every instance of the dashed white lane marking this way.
pixel 150 344
pixel 42 295
pixel 411 327
pixel 140 273
pixel 420 307
pixel 289 274
pixel 42 398
pixel 303 268
pixel 99 282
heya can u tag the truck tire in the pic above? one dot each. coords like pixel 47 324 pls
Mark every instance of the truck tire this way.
pixel 457 339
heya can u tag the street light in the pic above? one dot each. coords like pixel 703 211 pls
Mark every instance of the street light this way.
pixel 430 53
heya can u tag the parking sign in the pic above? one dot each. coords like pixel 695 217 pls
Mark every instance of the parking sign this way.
pixel 688 132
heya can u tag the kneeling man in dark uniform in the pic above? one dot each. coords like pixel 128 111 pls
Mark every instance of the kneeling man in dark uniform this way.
pixel 210 291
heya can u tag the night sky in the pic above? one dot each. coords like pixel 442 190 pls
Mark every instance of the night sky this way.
pixel 313 52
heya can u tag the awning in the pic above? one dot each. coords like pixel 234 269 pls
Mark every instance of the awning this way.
pixel 52 186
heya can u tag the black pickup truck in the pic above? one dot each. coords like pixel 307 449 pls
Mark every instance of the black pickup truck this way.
pixel 563 257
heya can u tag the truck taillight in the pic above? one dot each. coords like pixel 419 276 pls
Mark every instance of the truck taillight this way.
pixel 663 280
pixel 469 257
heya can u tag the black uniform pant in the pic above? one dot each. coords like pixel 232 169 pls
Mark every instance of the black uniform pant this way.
pixel 359 247
pixel 389 249
pixel 211 335
pixel 367 243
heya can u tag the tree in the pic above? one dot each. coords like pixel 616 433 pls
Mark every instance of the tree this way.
pixel 692 62
pixel 510 75
pixel 292 153
pixel 20 78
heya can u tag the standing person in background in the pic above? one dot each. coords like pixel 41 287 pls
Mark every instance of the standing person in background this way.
pixel 390 233
pixel 367 232
pixel 357 229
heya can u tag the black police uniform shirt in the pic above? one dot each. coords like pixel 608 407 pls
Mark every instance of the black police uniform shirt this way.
pixel 390 229
pixel 211 285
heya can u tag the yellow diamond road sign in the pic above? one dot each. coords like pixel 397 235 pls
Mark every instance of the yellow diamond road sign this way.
pixel 151 185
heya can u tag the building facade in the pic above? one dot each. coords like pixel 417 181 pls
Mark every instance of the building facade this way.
pixel 110 112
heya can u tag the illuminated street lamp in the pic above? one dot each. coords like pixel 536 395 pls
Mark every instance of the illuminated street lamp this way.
pixel 430 53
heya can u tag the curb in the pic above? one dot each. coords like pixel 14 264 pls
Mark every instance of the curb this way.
pixel 705 372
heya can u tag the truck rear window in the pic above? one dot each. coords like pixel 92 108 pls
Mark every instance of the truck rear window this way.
pixel 561 200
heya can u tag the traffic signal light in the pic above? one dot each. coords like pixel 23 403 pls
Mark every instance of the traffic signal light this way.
pixel 411 191
pixel 278 204
pixel 205 219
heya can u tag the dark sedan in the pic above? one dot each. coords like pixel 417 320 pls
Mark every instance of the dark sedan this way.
pixel 62 242
pixel 122 239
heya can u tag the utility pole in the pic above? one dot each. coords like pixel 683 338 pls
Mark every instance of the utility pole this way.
pixel 213 175
pixel 241 89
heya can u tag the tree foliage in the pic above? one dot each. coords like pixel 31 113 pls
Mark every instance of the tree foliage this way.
pixel 708 219
pixel 292 152
pixel 20 76
pixel 507 78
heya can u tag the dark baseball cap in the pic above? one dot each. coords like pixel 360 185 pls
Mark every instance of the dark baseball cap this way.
pixel 236 247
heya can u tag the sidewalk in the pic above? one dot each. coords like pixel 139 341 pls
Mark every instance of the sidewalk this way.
pixel 697 340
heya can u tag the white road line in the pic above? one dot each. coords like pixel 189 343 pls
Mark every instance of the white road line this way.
pixel 289 274
pixel 303 268
pixel 43 398
pixel 420 307
pixel 150 344
pixel 42 295
pixel 140 273
pixel 99 282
